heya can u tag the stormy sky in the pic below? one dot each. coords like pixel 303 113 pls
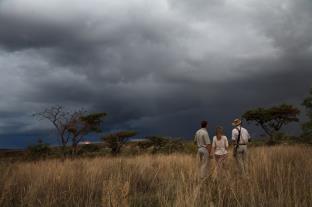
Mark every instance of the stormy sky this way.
pixel 158 67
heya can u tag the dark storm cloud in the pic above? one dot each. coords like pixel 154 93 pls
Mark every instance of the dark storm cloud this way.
pixel 155 66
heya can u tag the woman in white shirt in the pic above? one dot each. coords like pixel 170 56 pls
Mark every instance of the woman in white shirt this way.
pixel 220 145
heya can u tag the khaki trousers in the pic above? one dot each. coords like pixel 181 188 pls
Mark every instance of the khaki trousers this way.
pixel 203 157
pixel 241 158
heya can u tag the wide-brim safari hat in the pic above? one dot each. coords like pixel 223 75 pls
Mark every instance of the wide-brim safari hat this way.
pixel 237 122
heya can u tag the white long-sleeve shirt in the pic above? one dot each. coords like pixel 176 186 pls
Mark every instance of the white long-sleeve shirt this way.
pixel 244 138
pixel 202 138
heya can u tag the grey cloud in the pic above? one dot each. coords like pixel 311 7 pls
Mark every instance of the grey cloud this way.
pixel 156 67
pixel 288 24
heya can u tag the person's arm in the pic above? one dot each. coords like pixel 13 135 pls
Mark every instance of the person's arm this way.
pixel 208 143
pixel 226 143
pixel 209 148
pixel 213 147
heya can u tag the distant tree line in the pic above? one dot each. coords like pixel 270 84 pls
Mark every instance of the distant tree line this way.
pixel 74 126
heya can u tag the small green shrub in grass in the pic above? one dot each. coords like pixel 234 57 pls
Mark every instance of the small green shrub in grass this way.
pixel 39 150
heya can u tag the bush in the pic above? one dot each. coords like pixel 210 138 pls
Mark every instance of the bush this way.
pixel 87 148
pixel 117 140
pixel 39 150
pixel 165 145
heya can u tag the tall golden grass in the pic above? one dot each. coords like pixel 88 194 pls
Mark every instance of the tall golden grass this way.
pixel 277 176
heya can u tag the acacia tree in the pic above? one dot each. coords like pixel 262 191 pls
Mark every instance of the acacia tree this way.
pixel 72 126
pixel 271 120
pixel 83 125
pixel 117 140
pixel 307 127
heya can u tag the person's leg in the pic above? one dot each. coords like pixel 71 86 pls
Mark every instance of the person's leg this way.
pixel 199 156
pixel 204 158
pixel 222 165
pixel 222 161
pixel 200 161
pixel 239 160
pixel 218 162
pixel 244 159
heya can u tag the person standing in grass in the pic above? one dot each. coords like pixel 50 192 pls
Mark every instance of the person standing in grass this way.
pixel 220 145
pixel 203 148
pixel 240 138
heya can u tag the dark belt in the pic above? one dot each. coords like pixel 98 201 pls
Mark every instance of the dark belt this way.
pixel 241 144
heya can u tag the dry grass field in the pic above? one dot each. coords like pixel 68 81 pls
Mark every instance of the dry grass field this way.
pixel 277 176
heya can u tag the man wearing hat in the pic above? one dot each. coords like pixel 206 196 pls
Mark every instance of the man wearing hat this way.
pixel 240 138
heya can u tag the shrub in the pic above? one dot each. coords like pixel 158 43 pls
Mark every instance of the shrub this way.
pixel 117 140
pixel 88 148
pixel 165 145
pixel 39 150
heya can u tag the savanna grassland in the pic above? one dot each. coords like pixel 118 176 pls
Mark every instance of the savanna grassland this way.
pixel 277 176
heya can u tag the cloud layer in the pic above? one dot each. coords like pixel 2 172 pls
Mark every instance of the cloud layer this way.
pixel 155 66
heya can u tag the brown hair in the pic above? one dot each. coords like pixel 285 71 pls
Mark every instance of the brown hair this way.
pixel 204 124
pixel 219 132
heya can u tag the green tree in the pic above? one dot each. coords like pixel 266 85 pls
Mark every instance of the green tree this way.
pixel 83 125
pixel 307 127
pixel 271 120
pixel 117 140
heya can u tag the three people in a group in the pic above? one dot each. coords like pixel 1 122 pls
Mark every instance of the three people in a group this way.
pixel 218 149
